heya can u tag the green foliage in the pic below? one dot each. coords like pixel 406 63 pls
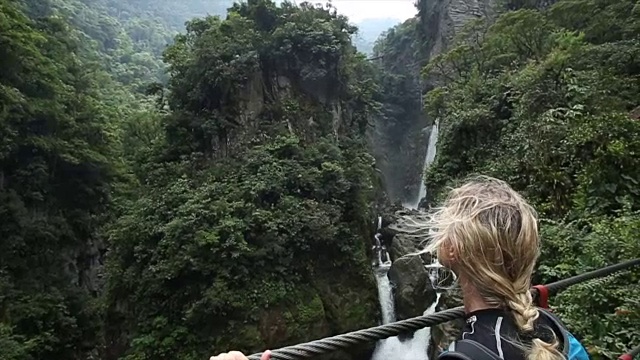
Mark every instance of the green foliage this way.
pixel 208 250
pixel 54 189
pixel 262 62
pixel 247 225
pixel 216 252
pixel 542 99
pixel 604 312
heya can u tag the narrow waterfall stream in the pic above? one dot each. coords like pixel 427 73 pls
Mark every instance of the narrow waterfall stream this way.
pixel 392 348
pixel 428 159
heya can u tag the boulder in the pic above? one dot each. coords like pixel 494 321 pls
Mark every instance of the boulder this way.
pixel 413 292
pixel 404 241
pixel 402 245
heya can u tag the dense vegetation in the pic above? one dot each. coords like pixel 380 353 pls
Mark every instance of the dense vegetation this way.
pixel 249 231
pixel 55 173
pixel 222 170
pixel 226 200
pixel 545 100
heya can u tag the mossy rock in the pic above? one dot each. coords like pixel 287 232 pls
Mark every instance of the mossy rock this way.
pixel 304 319
pixel 331 305
pixel 351 303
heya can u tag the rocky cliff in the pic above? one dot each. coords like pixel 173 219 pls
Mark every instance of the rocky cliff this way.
pixel 439 23
pixel 413 290
pixel 401 132
pixel 263 213
pixel 441 20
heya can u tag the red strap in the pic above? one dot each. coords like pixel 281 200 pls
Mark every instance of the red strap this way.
pixel 625 357
pixel 543 296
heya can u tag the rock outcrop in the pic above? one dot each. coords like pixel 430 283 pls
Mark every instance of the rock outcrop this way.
pixel 399 137
pixel 405 240
pixel 413 292
pixel 441 21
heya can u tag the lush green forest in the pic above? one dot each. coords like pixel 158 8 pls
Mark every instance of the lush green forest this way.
pixel 548 101
pixel 173 191
pixel 225 199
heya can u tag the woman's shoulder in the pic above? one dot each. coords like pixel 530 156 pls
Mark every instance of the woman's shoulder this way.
pixel 572 348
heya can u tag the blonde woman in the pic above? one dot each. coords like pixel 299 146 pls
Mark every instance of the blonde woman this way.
pixel 487 234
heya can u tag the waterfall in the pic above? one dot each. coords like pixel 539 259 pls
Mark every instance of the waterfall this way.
pixel 392 348
pixel 417 347
pixel 428 159
pixel 385 294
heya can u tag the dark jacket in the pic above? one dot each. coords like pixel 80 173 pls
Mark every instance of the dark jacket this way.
pixel 497 334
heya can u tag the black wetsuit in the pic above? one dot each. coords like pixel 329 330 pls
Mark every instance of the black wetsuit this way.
pixel 497 331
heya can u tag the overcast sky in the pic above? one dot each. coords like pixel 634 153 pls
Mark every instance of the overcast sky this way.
pixel 358 10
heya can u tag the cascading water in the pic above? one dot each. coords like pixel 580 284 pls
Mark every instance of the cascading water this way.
pixel 385 294
pixel 415 348
pixel 428 159
pixel 392 348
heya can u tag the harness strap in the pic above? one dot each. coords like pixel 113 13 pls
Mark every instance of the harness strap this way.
pixel 560 328
pixel 469 350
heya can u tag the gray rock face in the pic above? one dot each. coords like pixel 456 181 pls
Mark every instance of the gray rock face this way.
pixel 442 20
pixel 413 292
pixel 401 246
pixel 85 266
pixel 405 241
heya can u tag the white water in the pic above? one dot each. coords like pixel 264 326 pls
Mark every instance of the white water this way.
pixel 385 294
pixel 428 159
pixel 392 348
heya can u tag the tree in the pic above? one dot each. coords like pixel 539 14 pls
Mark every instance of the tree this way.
pixel 54 188
pixel 541 99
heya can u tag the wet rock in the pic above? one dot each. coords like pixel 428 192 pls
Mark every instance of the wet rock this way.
pixel 405 241
pixel 401 246
pixel 427 258
pixel 413 291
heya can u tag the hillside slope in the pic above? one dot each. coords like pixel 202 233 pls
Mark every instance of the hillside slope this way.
pixel 547 100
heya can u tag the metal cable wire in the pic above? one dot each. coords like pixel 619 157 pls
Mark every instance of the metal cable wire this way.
pixel 372 334
pixel 563 284
pixel 344 341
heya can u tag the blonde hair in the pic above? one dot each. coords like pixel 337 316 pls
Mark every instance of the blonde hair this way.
pixel 494 234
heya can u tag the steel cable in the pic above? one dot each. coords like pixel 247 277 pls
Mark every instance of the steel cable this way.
pixel 563 284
